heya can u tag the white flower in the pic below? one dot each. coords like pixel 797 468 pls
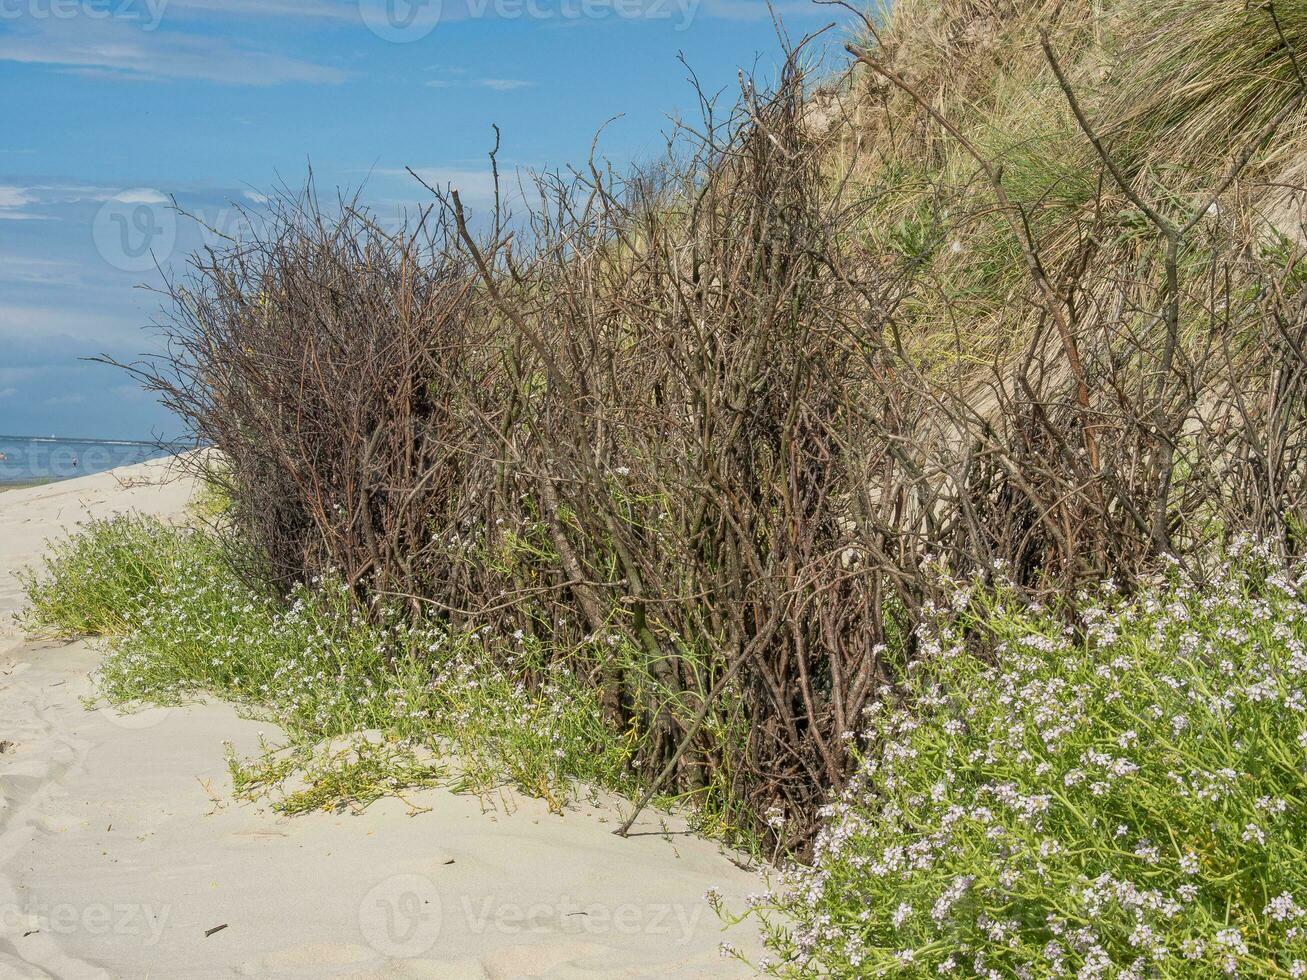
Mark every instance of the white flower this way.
pixel 1283 908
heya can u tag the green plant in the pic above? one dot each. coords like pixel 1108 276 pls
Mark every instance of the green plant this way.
pixel 1122 798
pixel 98 581
pixel 368 705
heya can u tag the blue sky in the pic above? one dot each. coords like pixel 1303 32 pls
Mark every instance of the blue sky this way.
pixel 112 107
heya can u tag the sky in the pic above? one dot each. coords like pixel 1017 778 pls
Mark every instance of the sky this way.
pixel 114 109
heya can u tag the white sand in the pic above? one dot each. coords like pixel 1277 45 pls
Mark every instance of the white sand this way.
pixel 120 844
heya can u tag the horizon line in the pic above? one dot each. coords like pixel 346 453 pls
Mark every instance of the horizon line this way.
pixel 125 442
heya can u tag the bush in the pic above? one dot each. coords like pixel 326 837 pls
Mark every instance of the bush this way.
pixel 1122 798
pixel 698 432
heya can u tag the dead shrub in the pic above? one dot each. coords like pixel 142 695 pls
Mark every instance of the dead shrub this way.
pixel 711 432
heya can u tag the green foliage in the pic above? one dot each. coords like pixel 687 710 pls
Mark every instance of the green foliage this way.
pixel 1191 82
pixel 354 776
pixel 95 581
pixel 182 624
pixel 212 499
pixel 1125 798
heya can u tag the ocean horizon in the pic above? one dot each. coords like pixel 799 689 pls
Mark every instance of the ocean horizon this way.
pixel 28 459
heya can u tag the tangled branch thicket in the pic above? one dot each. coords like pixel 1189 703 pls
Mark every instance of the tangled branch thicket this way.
pixel 988 300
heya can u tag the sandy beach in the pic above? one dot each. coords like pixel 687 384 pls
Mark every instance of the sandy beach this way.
pixel 123 854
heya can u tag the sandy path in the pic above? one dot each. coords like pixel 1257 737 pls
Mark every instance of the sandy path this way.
pixel 120 846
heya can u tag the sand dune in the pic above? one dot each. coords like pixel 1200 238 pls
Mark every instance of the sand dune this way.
pixel 122 853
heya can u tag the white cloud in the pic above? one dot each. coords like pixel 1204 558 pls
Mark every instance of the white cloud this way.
pixel 121 50
pixel 15 197
pixel 504 84
pixel 70 326
pixel 494 84
pixel 141 196
pixel 472 185
pixel 13 201
pixel 475 186
pixel 73 398
pixel 16 268
pixel 32 202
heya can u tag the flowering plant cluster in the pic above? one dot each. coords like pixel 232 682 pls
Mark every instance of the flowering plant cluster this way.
pixel 182 623
pixel 1122 796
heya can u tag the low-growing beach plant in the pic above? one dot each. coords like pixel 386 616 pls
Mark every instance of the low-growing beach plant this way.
pixel 370 704
pixel 1124 795
pixel 95 580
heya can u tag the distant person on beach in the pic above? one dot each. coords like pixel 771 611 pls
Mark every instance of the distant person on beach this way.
pixel 74 461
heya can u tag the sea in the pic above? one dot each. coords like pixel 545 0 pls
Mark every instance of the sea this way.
pixel 29 459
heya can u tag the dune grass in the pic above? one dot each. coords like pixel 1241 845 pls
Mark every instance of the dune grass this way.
pixel 1177 91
